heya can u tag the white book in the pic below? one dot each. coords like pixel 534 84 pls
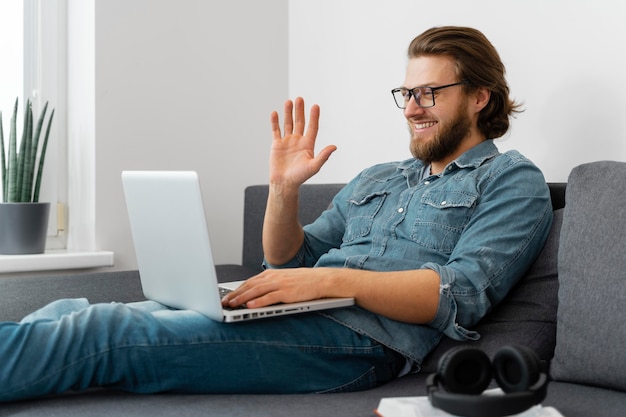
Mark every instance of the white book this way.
pixel 421 407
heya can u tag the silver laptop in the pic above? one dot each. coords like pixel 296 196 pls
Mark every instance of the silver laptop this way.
pixel 173 250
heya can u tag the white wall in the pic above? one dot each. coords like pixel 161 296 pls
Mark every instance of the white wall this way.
pixel 185 84
pixel 565 60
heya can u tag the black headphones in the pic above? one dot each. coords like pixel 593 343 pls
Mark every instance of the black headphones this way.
pixel 465 372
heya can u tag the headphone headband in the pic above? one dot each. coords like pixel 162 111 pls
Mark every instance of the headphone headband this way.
pixel 487 405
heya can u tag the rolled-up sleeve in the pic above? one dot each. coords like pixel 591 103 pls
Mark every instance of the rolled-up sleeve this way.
pixel 507 231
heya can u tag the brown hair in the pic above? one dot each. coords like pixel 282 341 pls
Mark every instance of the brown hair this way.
pixel 478 63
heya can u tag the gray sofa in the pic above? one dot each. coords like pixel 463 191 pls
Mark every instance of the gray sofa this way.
pixel 580 271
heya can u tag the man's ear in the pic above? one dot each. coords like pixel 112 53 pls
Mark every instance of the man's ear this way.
pixel 481 98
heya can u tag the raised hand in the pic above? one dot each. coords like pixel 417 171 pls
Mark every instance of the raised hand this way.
pixel 292 158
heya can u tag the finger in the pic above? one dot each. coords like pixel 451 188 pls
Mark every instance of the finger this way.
pixel 234 299
pixel 229 298
pixel 253 298
pixel 312 129
pixel 252 288
pixel 274 122
pixel 300 119
pixel 288 117
pixel 325 153
pixel 323 156
pixel 263 301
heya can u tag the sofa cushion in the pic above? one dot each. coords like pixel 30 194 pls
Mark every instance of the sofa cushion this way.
pixel 592 273
pixel 527 316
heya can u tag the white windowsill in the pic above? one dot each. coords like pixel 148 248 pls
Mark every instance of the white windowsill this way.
pixel 55 260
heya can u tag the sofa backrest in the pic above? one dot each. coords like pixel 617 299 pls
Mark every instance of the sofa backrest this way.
pixel 557 194
pixel 314 198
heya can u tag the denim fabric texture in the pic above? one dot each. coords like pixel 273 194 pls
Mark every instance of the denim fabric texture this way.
pixel 147 348
pixel 480 224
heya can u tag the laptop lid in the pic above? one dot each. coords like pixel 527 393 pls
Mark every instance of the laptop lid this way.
pixel 173 249
pixel 171 242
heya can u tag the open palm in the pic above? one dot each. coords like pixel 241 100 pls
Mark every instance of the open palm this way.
pixel 293 159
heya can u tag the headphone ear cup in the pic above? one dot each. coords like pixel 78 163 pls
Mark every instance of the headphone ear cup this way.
pixel 465 370
pixel 516 368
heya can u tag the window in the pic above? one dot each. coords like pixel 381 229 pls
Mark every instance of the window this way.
pixel 12 68
pixel 32 41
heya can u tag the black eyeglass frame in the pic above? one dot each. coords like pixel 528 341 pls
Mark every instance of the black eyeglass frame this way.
pixel 411 92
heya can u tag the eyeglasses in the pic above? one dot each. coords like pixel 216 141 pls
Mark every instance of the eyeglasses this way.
pixel 424 96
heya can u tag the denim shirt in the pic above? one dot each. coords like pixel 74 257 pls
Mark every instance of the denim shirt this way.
pixel 479 224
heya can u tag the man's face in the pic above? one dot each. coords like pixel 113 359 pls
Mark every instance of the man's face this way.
pixel 436 132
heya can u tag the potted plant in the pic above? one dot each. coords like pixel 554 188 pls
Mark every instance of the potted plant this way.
pixel 23 219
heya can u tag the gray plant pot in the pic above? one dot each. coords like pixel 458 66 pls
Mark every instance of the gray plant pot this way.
pixel 23 228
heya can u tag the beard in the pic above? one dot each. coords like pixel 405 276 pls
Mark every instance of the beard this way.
pixel 445 141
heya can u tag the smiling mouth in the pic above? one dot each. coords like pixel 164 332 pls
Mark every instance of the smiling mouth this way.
pixel 423 125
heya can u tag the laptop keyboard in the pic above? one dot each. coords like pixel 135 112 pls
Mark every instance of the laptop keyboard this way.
pixel 223 292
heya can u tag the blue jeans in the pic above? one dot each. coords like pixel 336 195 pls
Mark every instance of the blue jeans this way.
pixel 146 348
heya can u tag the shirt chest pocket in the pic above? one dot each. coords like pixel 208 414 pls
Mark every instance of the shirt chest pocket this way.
pixel 441 218
pixel 361 213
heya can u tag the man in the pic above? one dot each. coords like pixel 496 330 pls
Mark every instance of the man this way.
pixel 426 247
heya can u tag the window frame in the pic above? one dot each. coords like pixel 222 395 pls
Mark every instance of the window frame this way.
pixel 45 79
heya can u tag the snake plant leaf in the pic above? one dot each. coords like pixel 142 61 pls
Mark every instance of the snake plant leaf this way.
pixel 30 157
pixel 12 167
pixel 26 157
pixel 4 160
pixel 22 171
pixel 23 151
pixel 42 157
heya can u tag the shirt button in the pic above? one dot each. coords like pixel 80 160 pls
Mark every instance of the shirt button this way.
pixel 401 210
pixel 443 203
pixel 426 182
